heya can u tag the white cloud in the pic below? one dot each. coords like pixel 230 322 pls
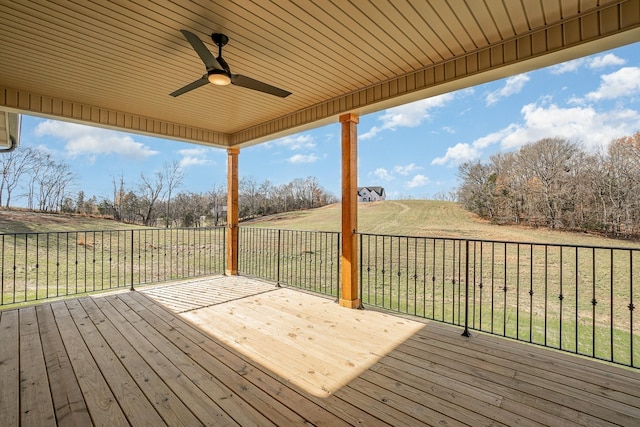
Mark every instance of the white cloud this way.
pixel 448 129
pixel 512 86
pixel 406 170
pixel 92 141
pixel 593 62
pixel 192 152
pixel 607 60
pixel 418 181
pixel 408 115
pixel 303 158
pixel 296 142
pixel 193 156
pixel 584 124
pixel 567 67
pixel 383 174
pixel 494 137
pixel 592 128
pixel 458 154
pixel 624 82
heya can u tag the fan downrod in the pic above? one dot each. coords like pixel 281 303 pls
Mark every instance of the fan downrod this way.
pixel 219 39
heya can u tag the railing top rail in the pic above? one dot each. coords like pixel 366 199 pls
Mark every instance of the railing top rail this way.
pixel 115 230
pixel 525 243
pixel 289 229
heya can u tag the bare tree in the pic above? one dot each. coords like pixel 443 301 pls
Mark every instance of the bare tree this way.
pixel 547 163
pixel 118 197
pixel 174 175
pixel 553 182
pixel 217 202
pixel 476 191
pixel 13 167
pixel 248 200
pixel 150 192
pixel 53 182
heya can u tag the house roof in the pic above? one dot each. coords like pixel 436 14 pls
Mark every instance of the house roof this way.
pixel 113 64
pixel 378 190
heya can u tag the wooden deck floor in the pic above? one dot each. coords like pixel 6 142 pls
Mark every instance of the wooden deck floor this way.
pixel 235 351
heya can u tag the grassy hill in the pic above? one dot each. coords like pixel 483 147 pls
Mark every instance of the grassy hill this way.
pixel 430 218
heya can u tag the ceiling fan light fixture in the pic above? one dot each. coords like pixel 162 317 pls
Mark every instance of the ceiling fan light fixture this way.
pixel 219 78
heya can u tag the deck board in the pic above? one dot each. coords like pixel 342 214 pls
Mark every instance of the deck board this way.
pixel 68 402
pixel 9 368
pixel 187 379
pixel 36 405
pixel 137 408
pixel 237 351
pixel 100 401
pixel 614 406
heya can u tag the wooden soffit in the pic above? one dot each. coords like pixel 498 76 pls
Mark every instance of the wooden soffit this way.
pixel 113 63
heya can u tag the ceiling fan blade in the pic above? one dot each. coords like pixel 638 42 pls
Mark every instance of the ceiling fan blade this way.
pixel 209 61
pixel 191 86
pixel 250 83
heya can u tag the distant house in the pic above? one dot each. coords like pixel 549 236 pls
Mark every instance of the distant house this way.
pixel 371 194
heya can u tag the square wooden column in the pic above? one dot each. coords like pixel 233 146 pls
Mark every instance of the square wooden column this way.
pixel 232 212
pixel 349 262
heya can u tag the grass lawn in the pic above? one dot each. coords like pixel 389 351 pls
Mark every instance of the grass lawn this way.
pixel 428 218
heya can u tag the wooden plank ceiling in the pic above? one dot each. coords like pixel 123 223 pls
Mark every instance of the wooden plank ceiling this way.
pixel 113 63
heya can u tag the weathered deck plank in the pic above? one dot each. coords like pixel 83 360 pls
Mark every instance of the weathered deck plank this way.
pixel 68 402
pixel 102 405
pixel 9 368
pixel 36 405
pixel 175 368
pixel 235 351
pixel 137 408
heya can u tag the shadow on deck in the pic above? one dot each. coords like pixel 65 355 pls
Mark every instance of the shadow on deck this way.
pixel 236 351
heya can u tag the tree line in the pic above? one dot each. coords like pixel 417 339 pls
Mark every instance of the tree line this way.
pixel 47 185
pixel 44 182
pixel 556 184
pixel 152 203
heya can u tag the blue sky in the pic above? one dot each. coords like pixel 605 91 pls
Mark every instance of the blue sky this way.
pixel 412 150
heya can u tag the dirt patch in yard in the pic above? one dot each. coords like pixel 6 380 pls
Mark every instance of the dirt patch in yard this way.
pixel 23 221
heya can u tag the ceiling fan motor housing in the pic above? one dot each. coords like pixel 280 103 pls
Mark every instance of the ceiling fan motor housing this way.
pixel 219 39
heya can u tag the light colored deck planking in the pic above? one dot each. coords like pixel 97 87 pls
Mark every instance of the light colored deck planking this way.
pixel 180 355
pixel 193 295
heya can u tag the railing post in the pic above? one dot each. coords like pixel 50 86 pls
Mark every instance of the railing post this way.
pixel 360 275
pixel 466 332
pixel 278 258
pixel 132 231
pixel 338 247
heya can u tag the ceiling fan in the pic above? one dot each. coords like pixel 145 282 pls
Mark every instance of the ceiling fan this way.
pixel 218 71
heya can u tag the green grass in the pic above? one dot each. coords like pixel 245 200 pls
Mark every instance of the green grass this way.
pixel 428 218
pixel 47 265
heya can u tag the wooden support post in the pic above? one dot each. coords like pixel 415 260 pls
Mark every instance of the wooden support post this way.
pixel 349 291
pixel 232 212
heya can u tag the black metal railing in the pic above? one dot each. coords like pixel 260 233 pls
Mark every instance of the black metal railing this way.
pixel 37 266
pixel 578 299
pixel 305 259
